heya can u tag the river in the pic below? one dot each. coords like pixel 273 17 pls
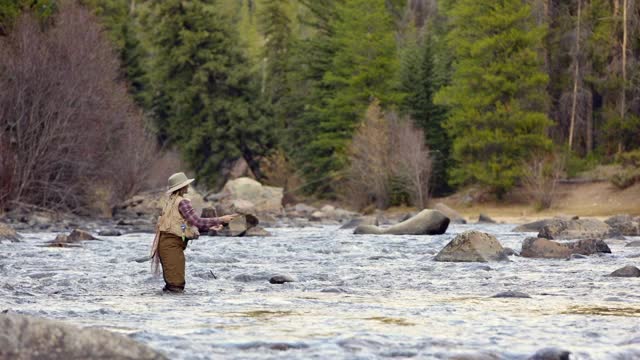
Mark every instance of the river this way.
pixel 355 297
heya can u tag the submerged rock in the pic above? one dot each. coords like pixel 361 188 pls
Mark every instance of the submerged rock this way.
pixel 561 229
pixel 110 232
pixel 472 246
pixel 426 222
pixel 364 220
pixel 512 294
pixel 625 224
pixel 75 236
pixel 536 226
pixel 8 233
pixel 627 271
pixel 453 215
pixel 281 279
pixel 550 353
pixel 544 248
pixel 633 244
pixel 240 226
pixel 26 337
pixel 483 218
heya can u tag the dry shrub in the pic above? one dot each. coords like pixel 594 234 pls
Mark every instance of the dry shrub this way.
pixel 411 161
pixel 540 179
pixel 67 125
pixel 387 155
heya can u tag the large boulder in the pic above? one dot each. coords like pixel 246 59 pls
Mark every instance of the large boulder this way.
pixel 453 215
pixel 24 338
pixel 266 199
pixel 544 248
pixel 426 222
pixel 625 224
pixel 472 246
pixel 562 229
pixel 8 233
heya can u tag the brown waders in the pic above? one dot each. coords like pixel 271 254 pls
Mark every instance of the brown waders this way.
pixel 171 251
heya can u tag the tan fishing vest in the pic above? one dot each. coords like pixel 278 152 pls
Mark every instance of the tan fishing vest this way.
pixel 171 221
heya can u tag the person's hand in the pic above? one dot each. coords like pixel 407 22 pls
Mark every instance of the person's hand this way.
pixel 228 218
pixel 216 227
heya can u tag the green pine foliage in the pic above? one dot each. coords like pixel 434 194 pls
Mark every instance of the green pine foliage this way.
pixel 420 82
pixel 363 68
pixel 276 28
pixel 205 101
pixel 497 99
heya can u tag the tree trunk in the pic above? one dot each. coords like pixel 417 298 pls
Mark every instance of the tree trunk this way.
pixel 623 99
pixel 576 74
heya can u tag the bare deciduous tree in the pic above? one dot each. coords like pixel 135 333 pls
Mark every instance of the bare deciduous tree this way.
pixel 540 179
pixel 387 149
pixel 411 161
pixel 67 125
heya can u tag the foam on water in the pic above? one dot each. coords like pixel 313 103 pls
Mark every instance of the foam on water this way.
pixel 356 296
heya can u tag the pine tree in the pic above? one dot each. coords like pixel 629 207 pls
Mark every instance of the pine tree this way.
pixel 364 67
pixel 305 107
pixel 276 28
pixel 205 101
pixel 497 96
pixel 420 82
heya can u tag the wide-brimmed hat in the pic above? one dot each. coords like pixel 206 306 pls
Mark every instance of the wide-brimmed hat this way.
pixel 178 181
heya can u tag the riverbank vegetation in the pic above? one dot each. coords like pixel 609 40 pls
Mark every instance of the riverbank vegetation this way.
pixel 378 102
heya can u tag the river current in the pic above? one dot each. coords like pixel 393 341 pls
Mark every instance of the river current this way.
pixel 355 297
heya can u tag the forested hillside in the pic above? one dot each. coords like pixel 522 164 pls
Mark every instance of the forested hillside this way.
pixel 320 95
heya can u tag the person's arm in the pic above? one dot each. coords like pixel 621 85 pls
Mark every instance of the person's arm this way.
pixel 203 224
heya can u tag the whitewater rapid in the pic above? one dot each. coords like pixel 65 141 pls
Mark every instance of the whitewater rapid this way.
pixel 355 296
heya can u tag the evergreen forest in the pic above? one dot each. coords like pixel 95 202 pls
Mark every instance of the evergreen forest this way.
pixel 331 98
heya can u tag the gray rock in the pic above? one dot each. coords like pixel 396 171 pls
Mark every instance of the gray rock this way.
pixel 239 226
pixel 512 294
pixel 257 231
pixel 110 232
pixel 633 244
pixel 543 248
pixel 8 233
pixel 561 229
pixel 251 277
pixel 577 257
pixel 550 353
pixel 625 224
pixel 426 222
pixel 510 252
pixel 281 279
pixel 483 218
pixel 453 215
pixel 536 226
pixel 472 246
pixel 24 338
pixel 142 259
pixel 627 271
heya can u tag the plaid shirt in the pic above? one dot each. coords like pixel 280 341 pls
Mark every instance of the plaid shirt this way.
pixel 203 224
